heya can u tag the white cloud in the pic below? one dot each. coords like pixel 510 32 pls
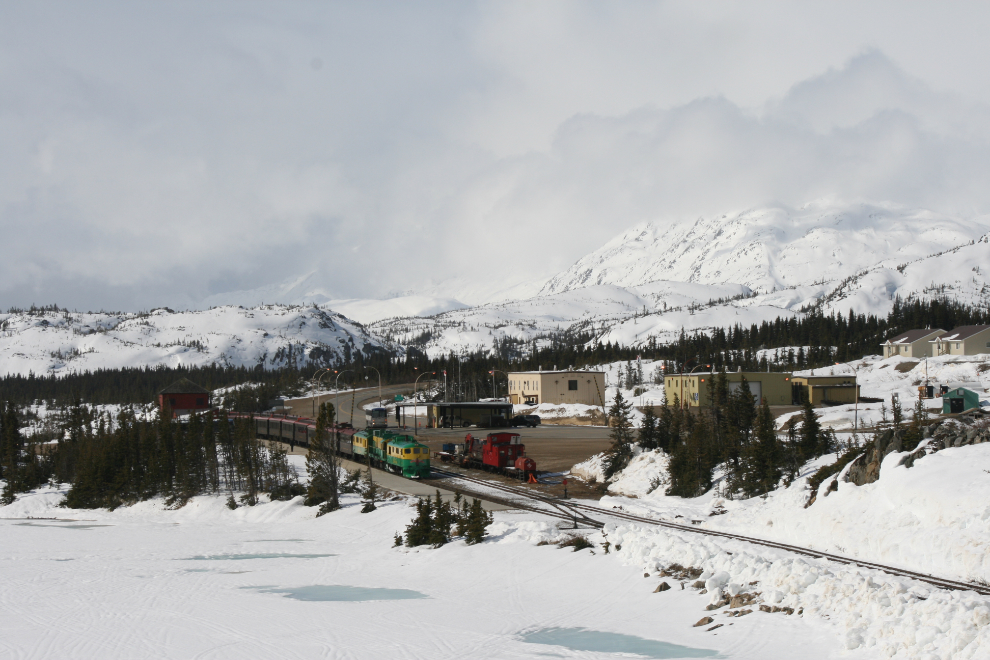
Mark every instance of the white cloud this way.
pixel 162 153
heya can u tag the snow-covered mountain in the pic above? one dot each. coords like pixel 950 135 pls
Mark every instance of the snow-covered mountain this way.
pixel 645 285
pixel 747 267
pixel 769 248
pixel 59 342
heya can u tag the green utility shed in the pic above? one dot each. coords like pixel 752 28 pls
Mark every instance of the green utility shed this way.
pixel 959 400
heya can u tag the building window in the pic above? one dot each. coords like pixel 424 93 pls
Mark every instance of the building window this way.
pixel 572 385
pixel 200 402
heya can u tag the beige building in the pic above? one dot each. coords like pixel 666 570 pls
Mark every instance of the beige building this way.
pixel 964 340
pixel 912 344
pixel 535 387
pixel 693 389
pixel 823 390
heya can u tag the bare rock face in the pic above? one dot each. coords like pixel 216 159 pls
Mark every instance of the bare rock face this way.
pixel 866 468
pixel 662 587
pixel 704 621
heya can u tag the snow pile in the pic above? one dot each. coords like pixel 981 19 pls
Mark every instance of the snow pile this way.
pixel 647 472
pixel 887 615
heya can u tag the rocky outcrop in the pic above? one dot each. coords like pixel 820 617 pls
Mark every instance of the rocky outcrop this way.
pixel 866 468
pixel 936 437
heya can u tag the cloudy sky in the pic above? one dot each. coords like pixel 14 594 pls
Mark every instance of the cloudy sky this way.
pixel 168 153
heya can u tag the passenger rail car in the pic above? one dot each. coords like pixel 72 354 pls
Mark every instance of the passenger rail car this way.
pixel 296 431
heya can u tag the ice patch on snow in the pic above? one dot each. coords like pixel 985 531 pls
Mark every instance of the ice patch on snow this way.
pixel 597 641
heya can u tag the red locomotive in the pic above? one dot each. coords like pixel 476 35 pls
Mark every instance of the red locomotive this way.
pixel 499 452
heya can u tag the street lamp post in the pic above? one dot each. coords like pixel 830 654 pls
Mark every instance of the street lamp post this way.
pixel 379 385
pixel 856 392
pixel 336 395
pixel 315 385
pixel 494 382
pixel 416 408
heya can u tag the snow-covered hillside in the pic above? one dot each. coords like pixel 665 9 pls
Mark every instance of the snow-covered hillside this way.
pixel 61 342
pixel 655 279
pixel 769 248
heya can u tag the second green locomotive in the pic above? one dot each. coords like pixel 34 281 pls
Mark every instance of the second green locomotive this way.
pixel 394 452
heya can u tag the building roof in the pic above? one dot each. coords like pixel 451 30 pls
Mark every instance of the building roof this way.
pixel 912 336
pixel 466 404
pixel 962 332
pixel 572 371
pixel 184 386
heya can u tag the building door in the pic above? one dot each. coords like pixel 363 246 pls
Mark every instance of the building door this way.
pixel 956 405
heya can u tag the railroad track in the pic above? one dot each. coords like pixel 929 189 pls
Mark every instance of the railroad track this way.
pixel 582 514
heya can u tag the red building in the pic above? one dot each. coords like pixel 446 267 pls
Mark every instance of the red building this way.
pixel 183 397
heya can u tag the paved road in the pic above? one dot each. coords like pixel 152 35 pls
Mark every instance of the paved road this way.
pixel 349 401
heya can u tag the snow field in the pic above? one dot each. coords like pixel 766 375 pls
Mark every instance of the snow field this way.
pixel 205 581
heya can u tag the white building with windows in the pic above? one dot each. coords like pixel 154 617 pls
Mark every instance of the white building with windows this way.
pixel 536 387
pixel 912 344
pixel 964 340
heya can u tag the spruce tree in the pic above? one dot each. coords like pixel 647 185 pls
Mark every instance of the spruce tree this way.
pixel 665 424
pixel 478 521
pixel 648 435
pixel 897 415
pixel 763 456
pixel 418 531
pixel 443 518
pixel 323 465
pixel 810 430
pixel 620 452
pixel 691 462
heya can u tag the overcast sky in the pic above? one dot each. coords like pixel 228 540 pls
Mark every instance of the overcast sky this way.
pixel 159 153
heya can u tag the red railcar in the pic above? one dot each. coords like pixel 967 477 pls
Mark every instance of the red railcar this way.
pixel 499 452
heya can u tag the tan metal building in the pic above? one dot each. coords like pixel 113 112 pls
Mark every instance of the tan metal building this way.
pixel 693 389
pixel 824 390
pixel 964 340
pixel 912 344
pixel 535 387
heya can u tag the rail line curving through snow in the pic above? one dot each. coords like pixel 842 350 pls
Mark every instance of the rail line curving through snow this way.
pixel 582 513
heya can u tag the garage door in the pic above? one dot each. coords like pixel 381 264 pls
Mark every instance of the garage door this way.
pixel 755 388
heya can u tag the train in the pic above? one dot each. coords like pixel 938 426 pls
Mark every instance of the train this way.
pixel 384 449
pixel 503 453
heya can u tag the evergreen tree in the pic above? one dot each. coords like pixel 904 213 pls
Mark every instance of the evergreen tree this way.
pixel 621 435
pixel 810 431
pixel 418 531
pixel 648 433
pixel 443 518
pixel 478 522
pixel 323 465
pixel 763 456
pixel 691 462
pixel 897 415
pixel 665 423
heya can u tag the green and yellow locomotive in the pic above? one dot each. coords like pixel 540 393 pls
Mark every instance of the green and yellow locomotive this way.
pixel 396 453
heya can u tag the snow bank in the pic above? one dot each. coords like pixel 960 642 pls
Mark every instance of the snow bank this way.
pixel 647 472
pixel 875 611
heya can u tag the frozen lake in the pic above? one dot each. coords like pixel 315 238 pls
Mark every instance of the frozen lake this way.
pixel 272 581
